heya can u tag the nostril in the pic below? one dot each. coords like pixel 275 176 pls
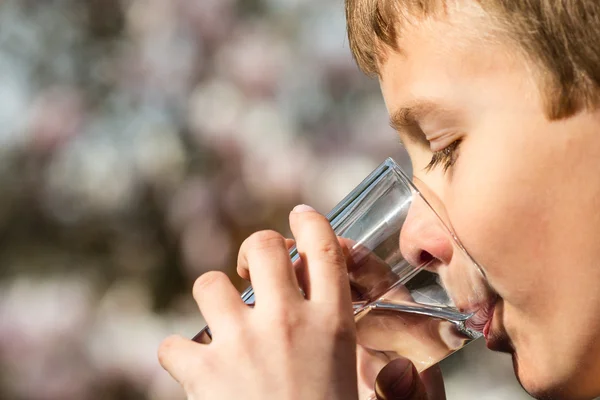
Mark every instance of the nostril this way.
pixel 424 258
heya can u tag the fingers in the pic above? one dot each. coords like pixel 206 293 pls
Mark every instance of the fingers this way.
pixel 399 380
pixel 289 243
pixel 174 354
pixel 218 300
pixel 266 257
pixel 326 277
pixel 243 270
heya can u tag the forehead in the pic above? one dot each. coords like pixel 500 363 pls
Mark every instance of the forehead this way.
pixel 446 57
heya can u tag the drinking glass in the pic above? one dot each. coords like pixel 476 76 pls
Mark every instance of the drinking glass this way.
pixel 416 291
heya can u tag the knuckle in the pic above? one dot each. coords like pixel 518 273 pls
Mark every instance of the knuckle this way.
pixel 242 270
pixel 265 240
pixel 285 325
pixel 338 325
pixel 165 348
pixel 206 280
pixel 332 251
pixel 279 314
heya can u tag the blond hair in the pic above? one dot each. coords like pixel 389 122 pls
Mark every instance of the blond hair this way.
pixel 560 37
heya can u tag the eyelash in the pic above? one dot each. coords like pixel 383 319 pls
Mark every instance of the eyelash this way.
pixel 446 157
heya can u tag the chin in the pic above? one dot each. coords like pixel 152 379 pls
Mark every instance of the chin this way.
pixel 538 386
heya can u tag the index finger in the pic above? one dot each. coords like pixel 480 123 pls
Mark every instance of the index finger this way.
pixel 326 277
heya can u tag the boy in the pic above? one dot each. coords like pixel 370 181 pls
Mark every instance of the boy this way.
pixel 496 103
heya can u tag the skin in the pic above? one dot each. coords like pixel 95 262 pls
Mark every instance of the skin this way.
pixel 523 194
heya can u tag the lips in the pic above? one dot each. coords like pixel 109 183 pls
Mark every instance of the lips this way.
pixel 488 324
pixel 481 320
pixel 495 335
pixel 486 328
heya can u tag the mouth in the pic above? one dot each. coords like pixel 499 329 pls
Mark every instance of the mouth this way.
pixel 488 323
pixel 482 318
pixel 483 321
pixel 494 333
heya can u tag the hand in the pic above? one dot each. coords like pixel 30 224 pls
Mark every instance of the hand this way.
pixel 378 378
pixel 287 346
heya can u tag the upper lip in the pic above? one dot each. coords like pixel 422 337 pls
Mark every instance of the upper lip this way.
pixel 483 315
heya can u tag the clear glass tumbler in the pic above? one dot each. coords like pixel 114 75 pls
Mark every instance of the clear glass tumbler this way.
pixel 416 291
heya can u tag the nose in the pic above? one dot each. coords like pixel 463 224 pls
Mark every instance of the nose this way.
pixel 425 242
pixel 424 238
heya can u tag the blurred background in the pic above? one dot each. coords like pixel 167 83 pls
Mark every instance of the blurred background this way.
pixel 141 141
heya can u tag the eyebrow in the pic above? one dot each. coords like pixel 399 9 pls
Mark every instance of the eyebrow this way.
pixel 411 114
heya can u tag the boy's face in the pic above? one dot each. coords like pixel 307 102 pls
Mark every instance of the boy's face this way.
pixel 523 194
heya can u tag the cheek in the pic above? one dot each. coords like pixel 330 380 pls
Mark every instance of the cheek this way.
pixel 496 211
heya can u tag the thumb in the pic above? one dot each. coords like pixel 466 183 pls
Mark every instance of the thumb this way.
pixel 399 380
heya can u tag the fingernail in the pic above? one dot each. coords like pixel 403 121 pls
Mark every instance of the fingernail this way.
pixel 302 208
pixel 403 386
pixel 395 380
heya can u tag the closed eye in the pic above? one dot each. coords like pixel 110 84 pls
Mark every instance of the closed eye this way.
pixel 445 157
